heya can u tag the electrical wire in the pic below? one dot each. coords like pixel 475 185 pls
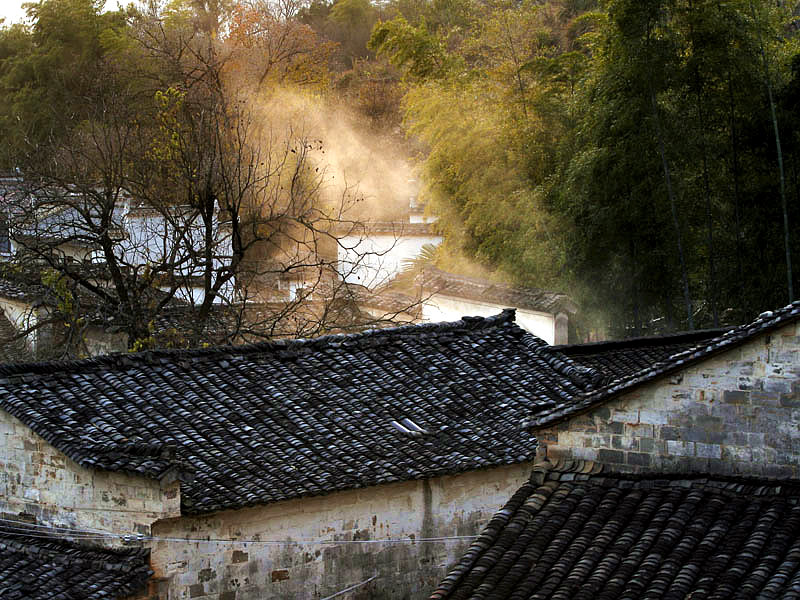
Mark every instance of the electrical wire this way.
pixel 351 588
pixel 51 527
pixel 46 531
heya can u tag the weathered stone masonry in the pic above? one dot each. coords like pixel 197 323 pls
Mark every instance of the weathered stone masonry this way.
pixel 40 481
pixel 735 413
pixel 444 506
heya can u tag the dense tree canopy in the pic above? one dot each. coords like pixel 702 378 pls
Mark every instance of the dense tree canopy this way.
pixel 642 155
pixel 161 174
pixel 631 152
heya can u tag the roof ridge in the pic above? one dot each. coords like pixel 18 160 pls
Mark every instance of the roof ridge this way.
pixel 585 378
pixel 587 469
pixel 677 337
pixel 287 346
pixel 766 322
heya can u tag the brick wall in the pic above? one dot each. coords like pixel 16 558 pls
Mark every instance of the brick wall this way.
pixel 736 413
pixel 37 479
pixel 445 506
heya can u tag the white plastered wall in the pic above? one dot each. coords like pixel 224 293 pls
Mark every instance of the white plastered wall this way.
pixel 310 563
pixel 23 316
pixel 375 259
pixel 38 480
pixel 440 307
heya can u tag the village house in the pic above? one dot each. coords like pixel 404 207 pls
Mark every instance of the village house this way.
pixel 372 254
pixel 32 320
pixel 290 283
pixel 447 296
pixel 303 468
pixel 677 478
pixel 64 229
pixel 435 296
pixel 42 319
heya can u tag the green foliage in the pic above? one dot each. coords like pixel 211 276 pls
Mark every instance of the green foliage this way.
pixel 51 64
pixel 544 140
pixel 59 285
pixel 349 23
pixel 548 129
pixel 410 47
pixel 352 13
pixel 491 123
pixel 700 60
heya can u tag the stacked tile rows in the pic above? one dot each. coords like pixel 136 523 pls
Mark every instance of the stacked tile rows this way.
pixel 619 359
pixel 627 379
pixel 283 419
pixel 435 280
pixel 21 286
pixel 581 534
pixel 291 418
pixel 36 565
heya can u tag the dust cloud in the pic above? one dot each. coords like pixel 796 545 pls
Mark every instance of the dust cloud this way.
pixel 375 180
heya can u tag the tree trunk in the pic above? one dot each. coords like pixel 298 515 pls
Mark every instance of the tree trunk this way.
pixel 768 84
pixel 735 174
pixel 673 208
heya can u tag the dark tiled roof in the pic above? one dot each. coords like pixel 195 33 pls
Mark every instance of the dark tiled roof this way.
pixel 291 418
pixel 577 533
pixel 483 290
pixel 612 384
pixel 38 565
pixel 391 301
pixel 282 419
pixel 619 359
pixel 22 287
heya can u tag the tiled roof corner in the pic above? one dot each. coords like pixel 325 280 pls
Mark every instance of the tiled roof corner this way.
pixel 676 357
pixel 37 563
pixel 579 530
pixel 450 284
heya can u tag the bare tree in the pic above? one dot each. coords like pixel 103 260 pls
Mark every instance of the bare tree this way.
pixel 175 206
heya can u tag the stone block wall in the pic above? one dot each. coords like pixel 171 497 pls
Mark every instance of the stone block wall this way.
pixel 736 413
pixel 37 480
pixel 302 567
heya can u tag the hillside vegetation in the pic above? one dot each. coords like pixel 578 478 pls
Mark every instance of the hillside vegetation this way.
pixel 641 155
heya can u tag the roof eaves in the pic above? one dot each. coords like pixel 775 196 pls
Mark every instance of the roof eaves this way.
pixel 436 281
pixel 580 470
pixel 29 372
pixel 151 461
pixel 104 572
pixel 670 338
pixel 766 322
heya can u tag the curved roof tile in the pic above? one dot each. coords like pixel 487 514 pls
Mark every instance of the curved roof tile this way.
pixel 283 419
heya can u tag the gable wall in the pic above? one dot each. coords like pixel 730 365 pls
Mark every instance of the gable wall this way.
pixel 373 259
pixel 736 413
pixel 39 480
pixel 441 307
pixel 445 506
